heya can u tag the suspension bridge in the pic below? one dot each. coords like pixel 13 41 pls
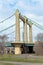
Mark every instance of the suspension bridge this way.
pixel 26 21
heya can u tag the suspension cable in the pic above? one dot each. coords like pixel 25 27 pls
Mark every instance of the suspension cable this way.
pixel 7 28
pixel 36 24
pixel 7 18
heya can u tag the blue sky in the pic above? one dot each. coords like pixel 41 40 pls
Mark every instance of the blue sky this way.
pixel 33 9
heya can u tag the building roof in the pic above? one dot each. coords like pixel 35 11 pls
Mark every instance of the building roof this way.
pixel 29 44
pixel 8 45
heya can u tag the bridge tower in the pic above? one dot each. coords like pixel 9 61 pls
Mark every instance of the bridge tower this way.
pixel 17 39
pixel 30 33
pixel 25 30
pixel 17 45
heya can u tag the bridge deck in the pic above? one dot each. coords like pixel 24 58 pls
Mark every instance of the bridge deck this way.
pixel 26 44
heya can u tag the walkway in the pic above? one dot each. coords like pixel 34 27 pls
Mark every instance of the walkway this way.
pixel 21 63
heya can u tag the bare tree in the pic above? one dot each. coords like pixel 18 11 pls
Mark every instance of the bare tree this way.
pixel 39 44
pixel 39 37
pixel 3 39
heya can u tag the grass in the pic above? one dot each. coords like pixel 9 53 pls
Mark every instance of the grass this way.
pixel 5 64
pixel 18 59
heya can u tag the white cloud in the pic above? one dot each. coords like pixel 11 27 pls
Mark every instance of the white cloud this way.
pixel 20 3
pixel 1 6
pixel 9 1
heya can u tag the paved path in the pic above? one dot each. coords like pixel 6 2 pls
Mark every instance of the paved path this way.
pixel 22 63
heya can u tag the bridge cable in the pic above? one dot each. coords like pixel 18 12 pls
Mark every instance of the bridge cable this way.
pixel 36 24
pixel 7 28
pixel 7 18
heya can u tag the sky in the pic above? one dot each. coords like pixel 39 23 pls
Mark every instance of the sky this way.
pixel 33 9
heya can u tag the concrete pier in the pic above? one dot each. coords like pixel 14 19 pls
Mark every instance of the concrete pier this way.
pixel 17 48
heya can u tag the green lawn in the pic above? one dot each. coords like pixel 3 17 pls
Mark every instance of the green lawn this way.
pixel 6 64
pixel 18 59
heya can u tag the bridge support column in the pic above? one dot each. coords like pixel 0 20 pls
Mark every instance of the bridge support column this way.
pixel 25 31
pixel 17 26
pixel 17 49
pixel 30 33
